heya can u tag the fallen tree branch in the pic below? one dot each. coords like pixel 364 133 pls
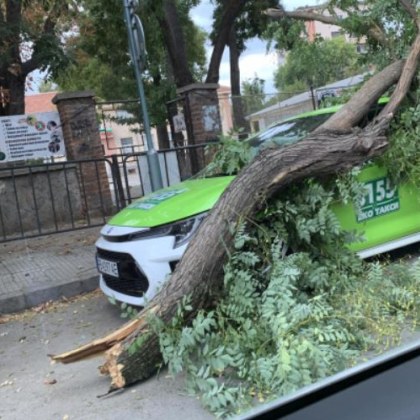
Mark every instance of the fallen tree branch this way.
pixel 97 347
pixel 200 272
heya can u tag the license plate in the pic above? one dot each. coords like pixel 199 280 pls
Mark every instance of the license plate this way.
pixel 107 267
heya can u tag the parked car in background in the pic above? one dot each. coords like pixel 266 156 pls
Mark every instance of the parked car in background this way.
pixel 141 245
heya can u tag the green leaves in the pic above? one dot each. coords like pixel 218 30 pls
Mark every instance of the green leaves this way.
pixel 403 155
pixel 318 63
pixel 230 157
pixel 290 315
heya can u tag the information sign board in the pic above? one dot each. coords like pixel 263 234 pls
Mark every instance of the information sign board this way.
pixel 24 137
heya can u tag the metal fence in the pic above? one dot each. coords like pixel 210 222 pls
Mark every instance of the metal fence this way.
pixel 130 176
pixel 54 197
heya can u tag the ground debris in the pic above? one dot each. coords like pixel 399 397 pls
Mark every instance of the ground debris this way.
pixel 50 306
pixel 7 382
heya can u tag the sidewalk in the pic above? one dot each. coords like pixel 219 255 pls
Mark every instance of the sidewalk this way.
pixel 36 270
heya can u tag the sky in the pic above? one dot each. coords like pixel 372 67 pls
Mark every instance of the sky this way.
pixel 254 60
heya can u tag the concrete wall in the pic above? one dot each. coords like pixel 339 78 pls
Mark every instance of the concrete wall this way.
pixel 30 201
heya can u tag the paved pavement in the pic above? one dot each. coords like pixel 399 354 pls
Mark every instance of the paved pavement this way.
pixel 36 270
pixel 33 388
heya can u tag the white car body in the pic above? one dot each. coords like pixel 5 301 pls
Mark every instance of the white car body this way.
pixel 148 260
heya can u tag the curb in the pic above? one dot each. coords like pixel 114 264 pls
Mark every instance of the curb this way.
pixel 16 302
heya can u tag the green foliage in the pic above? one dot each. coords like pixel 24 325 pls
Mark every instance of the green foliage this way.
pixel 101 61
pixel 318 63
pixel 290 315
pixel 365 22
pixel 395 23
pixel 253 96
pixel 230 156
pixel 297 305
pixel 403 155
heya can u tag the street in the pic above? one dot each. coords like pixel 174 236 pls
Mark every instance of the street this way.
pixel 33 388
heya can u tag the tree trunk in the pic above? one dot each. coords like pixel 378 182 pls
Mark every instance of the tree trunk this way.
pixel 16 87
pixel 162 136
pixel 239 121
pixel 12 76
pixel 175 43
pixel 232 10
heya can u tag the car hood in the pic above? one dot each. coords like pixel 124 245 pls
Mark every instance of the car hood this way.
pixel 173 203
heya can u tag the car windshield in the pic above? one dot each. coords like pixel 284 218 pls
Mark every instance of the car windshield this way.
pixel 280 134
pixel 287 132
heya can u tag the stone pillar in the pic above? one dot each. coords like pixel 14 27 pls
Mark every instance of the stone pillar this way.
pixel 83 144
pixel 79 124
pixel 202 117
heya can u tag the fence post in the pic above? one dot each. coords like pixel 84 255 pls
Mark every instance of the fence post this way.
pixel 118 186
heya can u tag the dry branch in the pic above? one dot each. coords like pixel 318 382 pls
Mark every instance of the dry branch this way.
pixel 98 346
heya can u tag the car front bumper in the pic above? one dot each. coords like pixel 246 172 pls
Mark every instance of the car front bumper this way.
pixel 143 265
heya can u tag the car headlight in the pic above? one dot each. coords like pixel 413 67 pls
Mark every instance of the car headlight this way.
pixel 182 230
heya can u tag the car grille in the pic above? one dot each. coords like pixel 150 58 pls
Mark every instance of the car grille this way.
pixel 132 281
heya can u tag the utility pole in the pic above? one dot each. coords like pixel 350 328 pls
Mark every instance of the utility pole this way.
pixel 137 45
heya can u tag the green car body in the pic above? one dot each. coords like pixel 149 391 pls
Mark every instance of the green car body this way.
pixel 388 218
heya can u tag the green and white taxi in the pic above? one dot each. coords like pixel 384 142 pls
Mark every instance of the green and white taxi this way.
pixel 141 245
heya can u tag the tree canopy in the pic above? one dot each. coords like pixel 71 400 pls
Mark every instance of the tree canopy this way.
pixel 317 63
pixel 32 37
pixel 253 94
pixel 101 61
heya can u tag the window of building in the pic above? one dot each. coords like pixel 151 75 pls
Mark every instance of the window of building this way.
pixel 123 114
pixel 361 48
pixel 127 145
pixel 255 126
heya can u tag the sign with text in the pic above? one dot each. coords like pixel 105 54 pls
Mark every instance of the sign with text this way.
pixel 24 137
pixel 381 198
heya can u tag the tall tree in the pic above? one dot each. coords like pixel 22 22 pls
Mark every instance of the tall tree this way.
pixel 318 63
pixel 249 23
pixel 108 71
pixel 31 38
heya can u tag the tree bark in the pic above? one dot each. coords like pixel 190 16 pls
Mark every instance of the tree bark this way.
pixel 239 121
pixel 175 43
pixel 15 84
pixel 162 136
pixel 232 10
pixel 12 77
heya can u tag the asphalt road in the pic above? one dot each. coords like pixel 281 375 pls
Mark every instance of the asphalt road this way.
pixel 33 388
